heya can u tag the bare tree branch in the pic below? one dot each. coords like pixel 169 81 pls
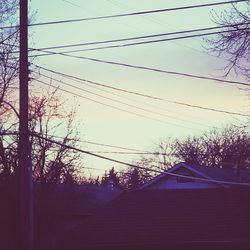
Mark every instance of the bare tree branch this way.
pixel 234 45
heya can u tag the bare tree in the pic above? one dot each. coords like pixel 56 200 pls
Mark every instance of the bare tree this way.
pixel 234 45
pixel 52 163
pixel 222 148
pixel 217 148
pixel 9 41
pixel 190 150
pixel 164 157
pixel 159 159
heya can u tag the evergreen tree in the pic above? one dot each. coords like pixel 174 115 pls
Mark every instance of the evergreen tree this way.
pixel 113 177
pixel 134 180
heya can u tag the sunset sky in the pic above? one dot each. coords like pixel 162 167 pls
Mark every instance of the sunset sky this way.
pixel 108 125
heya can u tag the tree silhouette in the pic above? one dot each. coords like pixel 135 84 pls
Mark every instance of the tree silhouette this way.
pixel 134 180
pixel 235 44
pixel 112 178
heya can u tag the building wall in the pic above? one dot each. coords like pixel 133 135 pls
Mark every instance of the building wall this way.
pixel 171 182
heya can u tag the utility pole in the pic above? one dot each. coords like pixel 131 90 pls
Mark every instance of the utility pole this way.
pixel 25 169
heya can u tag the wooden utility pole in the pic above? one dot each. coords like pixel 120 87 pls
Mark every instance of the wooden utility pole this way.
pixel 25 171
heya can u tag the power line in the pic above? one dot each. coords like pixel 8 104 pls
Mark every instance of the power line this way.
pixel 152 20
pixel 128 153
pixel 141 103
pixel 133 100
pixel 144 95
pixel 102 144
pixel 150 42
pixel 2 133
pixel 137 67
pixel 114 107
pixel 146 37
pixel 136 151
pixel 131 14
pixel 129 44
pixel 147 68
pixel 136 166
pixel 139 37
pixel 73 4
pixel 114 100
pixel 6 132
pixel 49 53
pixel 141 43
pixel 156 154
pixel 8 37
pixel 89 153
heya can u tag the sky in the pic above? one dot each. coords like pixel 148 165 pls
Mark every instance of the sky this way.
pixel 108 125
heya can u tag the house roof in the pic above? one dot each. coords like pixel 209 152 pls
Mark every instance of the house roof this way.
pixel 162 217
pixel 205 172
pixel 220 174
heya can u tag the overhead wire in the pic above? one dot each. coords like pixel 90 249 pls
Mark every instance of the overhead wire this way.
pixel 134 165
pixel 102 144
pixel 130 14
pixel 139 167
pixel 136 151
pixel 179 156
pixel 7 132
pixel 88 153
pixel 139 67
pixel 117 108
pixel 139 152
pixel 141 42
pixel 121 102
pixel 92 85
pixel 71 3
pixel 149 18
pixel 125 39
pixel 146 37
pixel 147 42
pixel 145 95
pixel 146 68
pixel 152 19
pixel 9 36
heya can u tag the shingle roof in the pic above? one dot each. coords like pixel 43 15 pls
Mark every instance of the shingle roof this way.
pixel 205 172
pixel 219 174
pixel 162 217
